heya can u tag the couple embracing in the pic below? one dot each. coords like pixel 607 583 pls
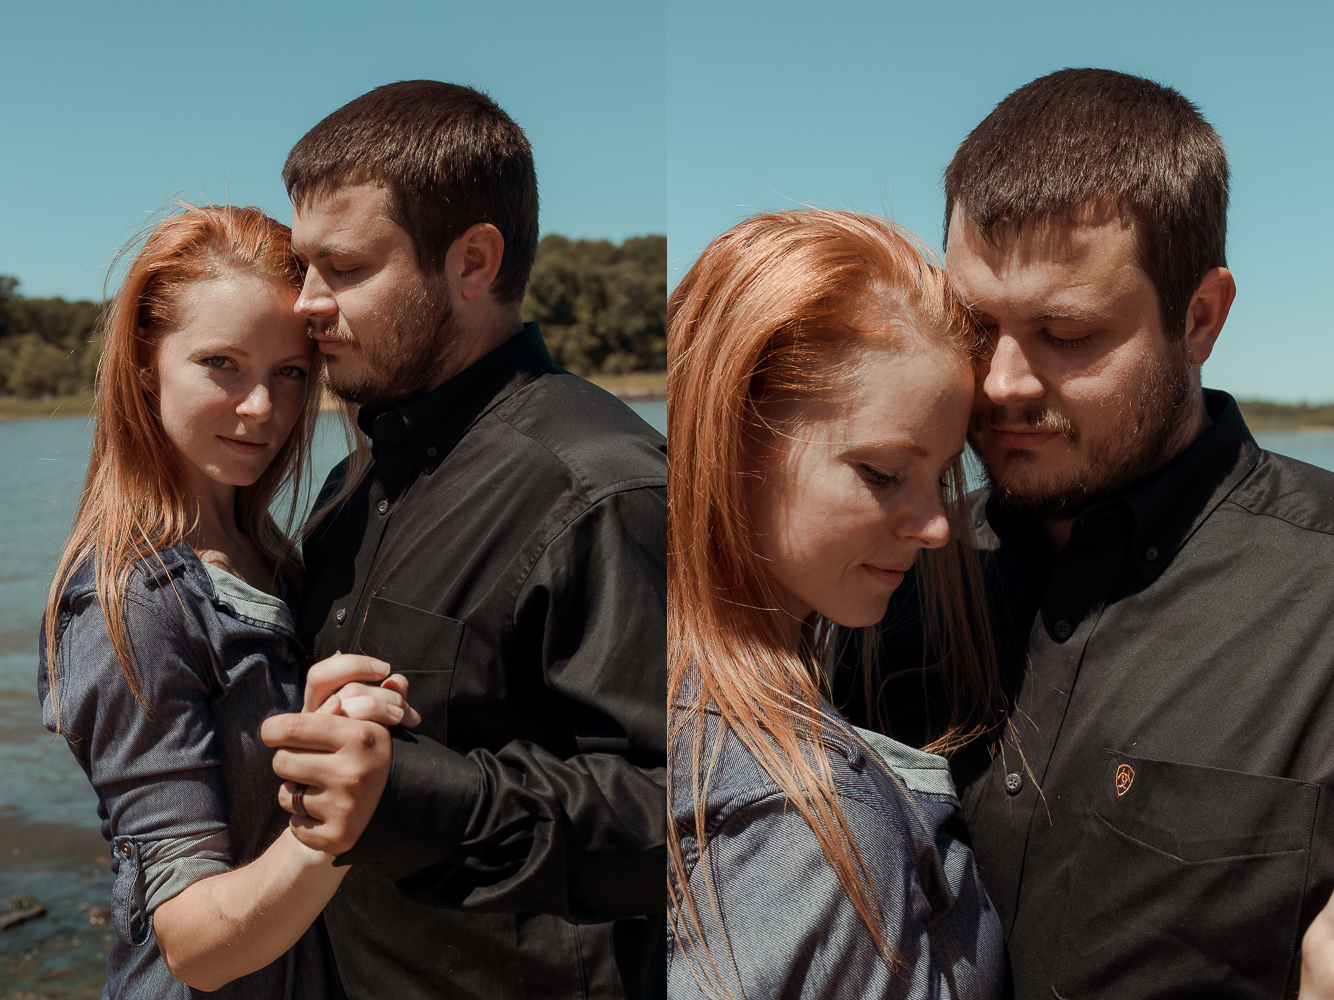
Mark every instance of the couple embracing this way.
pixel 420 750
pixel 1124 645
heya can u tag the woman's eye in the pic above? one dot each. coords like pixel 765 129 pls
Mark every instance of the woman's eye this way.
pixel 342 274
pixel 292 371
pixel 217 361
pixel 875 477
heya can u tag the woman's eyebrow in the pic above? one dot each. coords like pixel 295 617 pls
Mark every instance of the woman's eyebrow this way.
pixel 892 444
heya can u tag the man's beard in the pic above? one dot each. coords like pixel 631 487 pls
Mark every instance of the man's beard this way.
pixel 409 357
pixel 1141 438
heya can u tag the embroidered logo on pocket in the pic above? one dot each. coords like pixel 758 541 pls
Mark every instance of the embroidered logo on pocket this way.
pixel 1125 775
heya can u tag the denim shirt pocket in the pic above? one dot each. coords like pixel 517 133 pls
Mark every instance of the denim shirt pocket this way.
pixel 129 914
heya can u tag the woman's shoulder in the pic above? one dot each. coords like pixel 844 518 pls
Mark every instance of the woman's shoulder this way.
pixel 166 601
pixel 172 575
pixel 736 780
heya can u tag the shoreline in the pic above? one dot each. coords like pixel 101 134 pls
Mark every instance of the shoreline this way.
pixel 641 387
pixel 632 387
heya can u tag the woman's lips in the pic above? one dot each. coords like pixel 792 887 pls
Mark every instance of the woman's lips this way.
pixel 244 447
pixel 889 577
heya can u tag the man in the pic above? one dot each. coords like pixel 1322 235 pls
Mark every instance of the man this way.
pixel 1153 815
pixel 504 551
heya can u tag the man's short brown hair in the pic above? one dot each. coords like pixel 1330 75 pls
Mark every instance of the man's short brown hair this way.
pixel 1083 138
pixel 449 158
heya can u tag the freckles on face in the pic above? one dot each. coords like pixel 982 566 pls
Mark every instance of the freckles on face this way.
pixel 851 490
pixel 232 376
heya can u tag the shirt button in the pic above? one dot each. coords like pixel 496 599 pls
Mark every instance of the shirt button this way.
pixel 383 506
pixel 432 451
pixel 1151 553
pixel 1014 782
pixel 340 615
pixel 125 849
pixel 1063 630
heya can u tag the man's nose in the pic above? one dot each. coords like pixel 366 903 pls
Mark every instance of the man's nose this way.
pixel 1010 377
pixel 316 298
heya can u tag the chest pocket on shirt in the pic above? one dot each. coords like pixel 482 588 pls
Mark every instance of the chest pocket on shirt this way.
pixel 1188 882
pixel 423 647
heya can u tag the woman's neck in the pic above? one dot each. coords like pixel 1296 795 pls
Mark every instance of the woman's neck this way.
pixel 219 541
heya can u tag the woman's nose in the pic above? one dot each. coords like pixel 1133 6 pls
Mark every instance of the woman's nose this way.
pixel 257 405
pixel 928 523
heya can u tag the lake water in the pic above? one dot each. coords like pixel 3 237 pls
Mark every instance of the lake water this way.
pixel 50 846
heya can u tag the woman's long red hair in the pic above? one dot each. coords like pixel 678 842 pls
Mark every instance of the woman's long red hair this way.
pixel 770 312
pixel 134 501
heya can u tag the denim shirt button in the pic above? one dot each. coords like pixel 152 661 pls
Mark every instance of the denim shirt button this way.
pixel 125 849
pixel 340 615
pixel 1013 782
pixel 1063 630
pixel 383 507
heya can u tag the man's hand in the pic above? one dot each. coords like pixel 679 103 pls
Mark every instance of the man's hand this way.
pixel 343 764
pixel 1318 957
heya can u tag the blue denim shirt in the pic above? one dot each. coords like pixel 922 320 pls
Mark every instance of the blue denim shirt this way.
pixel 793 930
pixel 185 790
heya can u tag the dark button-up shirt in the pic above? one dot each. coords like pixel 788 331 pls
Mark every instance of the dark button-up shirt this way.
pixel 506 552
pixel 1157 816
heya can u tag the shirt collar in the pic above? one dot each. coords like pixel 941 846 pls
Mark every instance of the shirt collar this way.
pixel 428 427
pixel 1169 505
pixel 1173 503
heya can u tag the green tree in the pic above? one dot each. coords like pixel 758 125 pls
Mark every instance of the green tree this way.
pixel 602 308
pixel 48 347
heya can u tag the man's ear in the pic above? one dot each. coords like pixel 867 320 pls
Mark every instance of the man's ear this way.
pixel 1207 313
pixel 473 260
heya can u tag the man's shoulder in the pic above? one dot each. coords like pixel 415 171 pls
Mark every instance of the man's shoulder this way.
pixel 603 443
pixel 1294 492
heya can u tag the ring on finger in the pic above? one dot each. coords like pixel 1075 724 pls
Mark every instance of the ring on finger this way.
pixel 298 800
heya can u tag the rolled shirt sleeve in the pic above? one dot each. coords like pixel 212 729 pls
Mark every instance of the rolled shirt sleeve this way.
pixel 155 770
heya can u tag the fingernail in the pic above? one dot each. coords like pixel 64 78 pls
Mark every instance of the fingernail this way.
pixel 382 668
pixel 395 713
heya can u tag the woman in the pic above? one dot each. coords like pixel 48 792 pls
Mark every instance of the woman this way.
pixel 820 384
pixel 166 639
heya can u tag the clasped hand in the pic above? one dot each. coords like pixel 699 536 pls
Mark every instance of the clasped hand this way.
pixel 338 748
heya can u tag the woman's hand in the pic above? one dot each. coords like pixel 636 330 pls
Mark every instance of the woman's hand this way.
pixel 1318 957
pixel 359 687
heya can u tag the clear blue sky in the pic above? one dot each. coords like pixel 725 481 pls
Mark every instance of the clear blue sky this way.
pixel 861 105
pixel 112 107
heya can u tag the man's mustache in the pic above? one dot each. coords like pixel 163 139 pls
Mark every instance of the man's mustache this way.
pixel 328 330
pixel 1033 415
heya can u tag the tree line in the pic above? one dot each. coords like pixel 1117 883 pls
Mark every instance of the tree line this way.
pixel 602 308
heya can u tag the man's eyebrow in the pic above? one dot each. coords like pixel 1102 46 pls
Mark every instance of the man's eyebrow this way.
pixel 1068 316
pixel 322 250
